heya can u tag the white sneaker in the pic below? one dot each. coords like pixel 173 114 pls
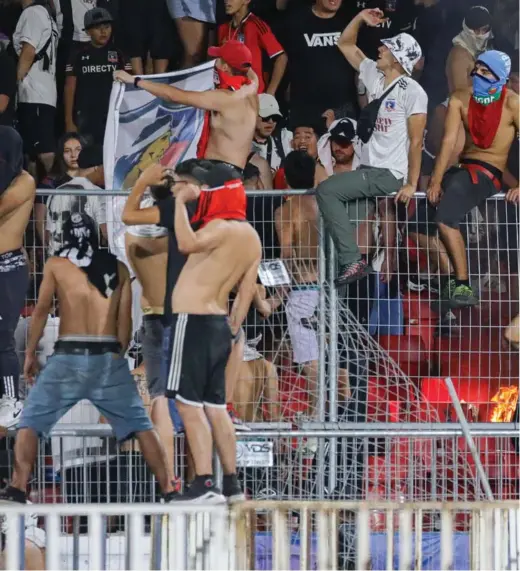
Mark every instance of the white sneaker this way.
pixel 10 410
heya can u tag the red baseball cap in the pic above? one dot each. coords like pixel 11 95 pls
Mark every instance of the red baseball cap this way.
pixel 234 53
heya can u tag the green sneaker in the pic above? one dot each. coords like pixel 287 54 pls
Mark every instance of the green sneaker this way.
pixel 463 296
pixel 448 289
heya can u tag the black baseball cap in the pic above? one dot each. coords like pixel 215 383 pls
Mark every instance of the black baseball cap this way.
pixel 343 132
pixel 96 17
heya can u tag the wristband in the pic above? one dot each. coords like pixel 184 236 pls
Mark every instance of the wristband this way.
pixel 136 81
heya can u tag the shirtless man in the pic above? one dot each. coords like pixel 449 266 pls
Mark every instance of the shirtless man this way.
pixel 296 224
pixel 94 297
pixel 232 107
pixel 17 193
pixel 489 113
pixel 224 252
pixel 147 251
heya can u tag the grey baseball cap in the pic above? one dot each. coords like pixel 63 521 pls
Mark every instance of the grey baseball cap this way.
pixel 96 17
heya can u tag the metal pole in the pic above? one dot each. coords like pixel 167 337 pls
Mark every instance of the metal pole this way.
pixel 333 364
pixel 469 439
pixel 322 332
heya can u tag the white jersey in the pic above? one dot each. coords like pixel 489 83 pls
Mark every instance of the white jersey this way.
pixel 147 230
pixel 36 27
pixel 389 144
pixel 79 9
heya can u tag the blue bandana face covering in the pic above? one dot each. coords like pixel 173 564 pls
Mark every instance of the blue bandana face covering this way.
pixel 489 90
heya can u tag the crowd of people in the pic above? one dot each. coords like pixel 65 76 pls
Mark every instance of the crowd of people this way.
pixel 365 102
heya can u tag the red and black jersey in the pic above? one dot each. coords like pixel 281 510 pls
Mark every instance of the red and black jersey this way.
pixel 258 37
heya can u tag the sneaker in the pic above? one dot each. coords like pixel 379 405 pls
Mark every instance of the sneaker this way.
pixel 238 423
pixel 201 491
pixel 463 296
pixel 353 272
pixel 10 410
pixel 177 487
pixel 11 494
pixel 232 490
pixel 448 289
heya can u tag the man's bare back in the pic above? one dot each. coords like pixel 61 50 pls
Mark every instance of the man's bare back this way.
pixel 297 228
pixel 232 129
pixel 208 277
pixel 148 258
pixel 83 310
pixel 498 152
pixel 16 205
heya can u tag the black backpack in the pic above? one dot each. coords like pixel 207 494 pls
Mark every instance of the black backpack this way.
pixel 368 116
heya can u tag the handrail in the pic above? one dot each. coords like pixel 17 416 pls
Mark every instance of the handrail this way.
pixel 328 430
pixel 268 192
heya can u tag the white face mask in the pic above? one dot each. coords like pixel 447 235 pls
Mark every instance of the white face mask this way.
pixel 474 43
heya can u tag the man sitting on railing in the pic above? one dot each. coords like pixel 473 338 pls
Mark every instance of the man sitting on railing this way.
pixel 392 128
pixel 489 113
pixel 94 297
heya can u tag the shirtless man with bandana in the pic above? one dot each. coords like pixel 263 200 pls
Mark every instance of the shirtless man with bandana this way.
pixel 489 113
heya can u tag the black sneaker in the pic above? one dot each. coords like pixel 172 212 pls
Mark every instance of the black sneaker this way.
pixel 201 491
pixel 463 296
pixel 418 283
pixel 177 487
pixel 353 272
pixel 11 494
pixel 232 490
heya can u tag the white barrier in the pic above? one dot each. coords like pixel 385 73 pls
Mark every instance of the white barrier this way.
pixel 213 537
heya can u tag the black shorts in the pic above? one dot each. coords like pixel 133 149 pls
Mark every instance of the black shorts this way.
pixel 36 126
pixel 14 283
pixel 200 347
pixel 148 27
pixel 461 195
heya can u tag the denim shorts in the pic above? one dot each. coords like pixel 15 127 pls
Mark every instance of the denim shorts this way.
pixel 105 380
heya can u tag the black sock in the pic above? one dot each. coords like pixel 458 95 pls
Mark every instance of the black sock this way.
pixel 229 479
pixel 203 479
pixel 462 282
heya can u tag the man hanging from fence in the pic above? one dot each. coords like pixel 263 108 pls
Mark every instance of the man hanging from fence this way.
pixel 17 193
pixel 223 253
pixel 94 297
pixel 489 113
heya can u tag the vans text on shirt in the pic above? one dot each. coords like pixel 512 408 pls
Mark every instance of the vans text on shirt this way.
pixel 389 144
pixel 319 75
pixel 37 28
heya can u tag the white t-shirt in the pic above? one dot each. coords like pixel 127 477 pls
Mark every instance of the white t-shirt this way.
pixel 60 206
pixel 79 9
pixel 35 27
pixel 389 144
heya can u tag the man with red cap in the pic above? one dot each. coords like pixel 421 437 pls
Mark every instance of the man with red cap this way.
pixel 232 107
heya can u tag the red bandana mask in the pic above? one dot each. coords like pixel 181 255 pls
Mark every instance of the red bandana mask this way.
pixel 224 80
pixel 484 120
pixel 228 202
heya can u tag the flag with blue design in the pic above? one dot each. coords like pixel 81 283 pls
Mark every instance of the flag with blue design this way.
pixel 142 130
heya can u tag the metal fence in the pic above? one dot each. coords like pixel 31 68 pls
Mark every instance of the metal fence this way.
pixel 276 535
pixel 330 362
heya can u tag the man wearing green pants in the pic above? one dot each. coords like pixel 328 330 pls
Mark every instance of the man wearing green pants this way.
pixel 391 159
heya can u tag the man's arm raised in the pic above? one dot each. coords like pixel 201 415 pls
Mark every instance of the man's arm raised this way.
pixel 212 100
pixel 133 214
pixel 348 39
pixel 449 139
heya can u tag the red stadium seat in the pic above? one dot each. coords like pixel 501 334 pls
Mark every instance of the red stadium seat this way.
pixel 409 352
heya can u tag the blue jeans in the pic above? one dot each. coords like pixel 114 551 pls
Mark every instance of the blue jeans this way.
pixel 105 380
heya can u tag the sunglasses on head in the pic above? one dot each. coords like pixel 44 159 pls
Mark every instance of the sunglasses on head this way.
pixel 274 118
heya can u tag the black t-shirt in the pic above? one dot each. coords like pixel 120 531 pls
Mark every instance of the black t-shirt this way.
pixel 320 76
pixel 400 20
pixel 7 87
pixel 93 68
pixel 176 260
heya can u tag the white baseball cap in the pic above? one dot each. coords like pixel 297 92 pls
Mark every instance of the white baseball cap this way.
pixel 405 49
pixel 268 106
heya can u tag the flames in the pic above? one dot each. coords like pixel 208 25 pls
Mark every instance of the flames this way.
pixel 505 399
